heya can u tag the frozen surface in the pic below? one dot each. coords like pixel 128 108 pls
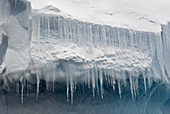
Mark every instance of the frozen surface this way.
pixel 145 15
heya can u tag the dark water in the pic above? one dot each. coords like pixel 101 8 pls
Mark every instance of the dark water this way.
pixel 84 103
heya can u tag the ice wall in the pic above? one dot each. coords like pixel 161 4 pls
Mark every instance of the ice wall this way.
pixel 52 46
pixel 116 60
pixel 57 28
pixel 14 38
pixel 165 35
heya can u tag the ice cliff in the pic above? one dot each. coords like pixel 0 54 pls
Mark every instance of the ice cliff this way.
pixel 49 44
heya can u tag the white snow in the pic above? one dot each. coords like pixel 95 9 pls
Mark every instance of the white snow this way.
pixel 112 58
pixel 143 15
pixel 17 55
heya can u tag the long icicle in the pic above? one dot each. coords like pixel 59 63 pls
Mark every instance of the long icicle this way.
pixel 22 92
pixel 38 82
pixel 67 87
pixel 131 86
pixel 101 83
pixel 93 81
pixel 119 87
pixel 144 79
pixel 72 89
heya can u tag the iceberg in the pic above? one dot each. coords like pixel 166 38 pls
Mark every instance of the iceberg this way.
pixel 44 48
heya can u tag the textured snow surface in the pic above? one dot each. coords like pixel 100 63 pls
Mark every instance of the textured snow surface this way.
pixel 144 15
pixel 112 58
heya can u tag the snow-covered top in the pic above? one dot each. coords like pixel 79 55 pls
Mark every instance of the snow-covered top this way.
pixel 143 15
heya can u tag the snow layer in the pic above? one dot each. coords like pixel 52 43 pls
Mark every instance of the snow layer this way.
pixel 144 15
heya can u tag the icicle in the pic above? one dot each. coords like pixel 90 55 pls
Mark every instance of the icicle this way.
pixel 85 33
pixel 119 39
pixel 54 22
pixel 149 82
pixel 71 89
pixel 64 27
pixel 113 82
pixel 53 86
pixel 91 36
pixel 93 81
pixel 88 76
pixel 48 26
pixel 124 39
pixel 53 81
pixel 132 43
pixel 144 79
pixel 38 82
pixel 75 84
pixel 38 28
pixel 110 37
pixel 134 87
pixel 108 81
pixel 67 88
pixel 22 93
pixel 65 22
pixel 131 86
pixel 85 77
pixel 101 83
pixel 96 79
pixel 119 87
pixel 59 27
pixel 104 41
pixel 70 30
pixel 113 86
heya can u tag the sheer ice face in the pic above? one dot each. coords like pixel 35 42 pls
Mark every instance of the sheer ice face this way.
pixel 58 46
